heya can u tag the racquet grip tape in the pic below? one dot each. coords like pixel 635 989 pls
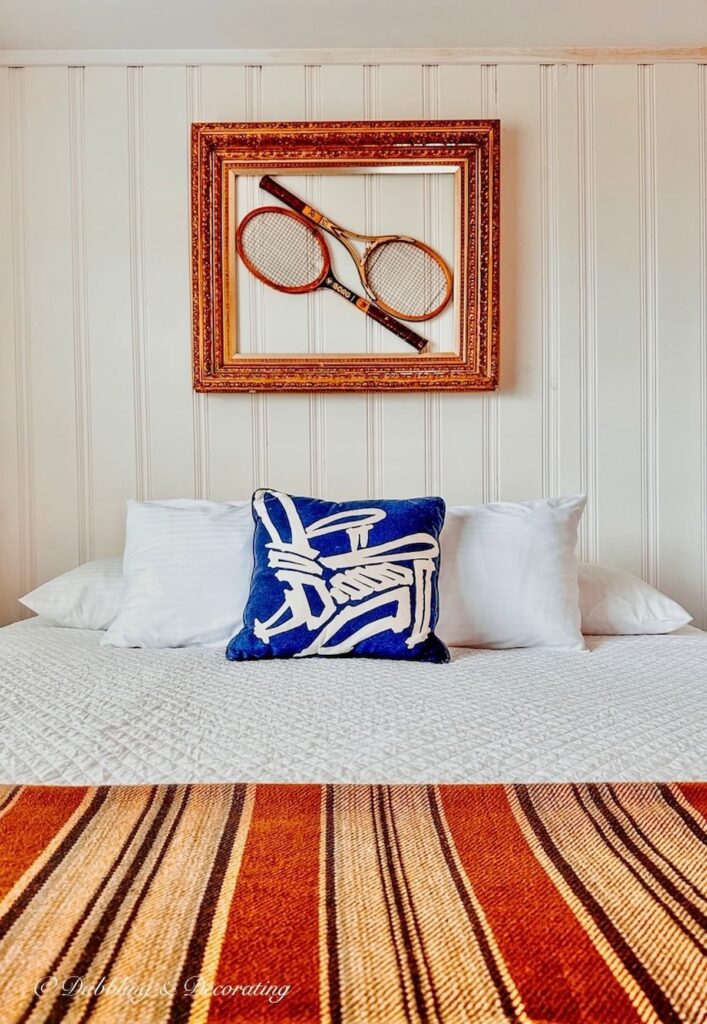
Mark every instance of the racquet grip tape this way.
pixel 281 193
pixel 396 327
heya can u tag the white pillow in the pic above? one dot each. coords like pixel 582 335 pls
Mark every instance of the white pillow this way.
pixel 508 575
pixel 188 567
pixel 615 602
pixel 85 598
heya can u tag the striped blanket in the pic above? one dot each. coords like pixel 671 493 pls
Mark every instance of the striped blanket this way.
pixel 353 904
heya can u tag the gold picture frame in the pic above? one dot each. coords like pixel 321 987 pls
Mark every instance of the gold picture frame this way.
pixel 459 160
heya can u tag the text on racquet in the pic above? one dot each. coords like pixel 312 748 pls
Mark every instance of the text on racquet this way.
pixel 283 250
pixel 403 275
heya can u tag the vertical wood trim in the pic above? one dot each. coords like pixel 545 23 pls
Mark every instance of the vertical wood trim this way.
pixel 550 312
pixel 490 423
pixel 648 270
pixel 589 535
pixel 200 403
pixel 432 212
pixel 259 403
pixel 315 307
pixel 143 469
pixel 23 363
pixel 374 402
pixel 82 365
pixel 702 129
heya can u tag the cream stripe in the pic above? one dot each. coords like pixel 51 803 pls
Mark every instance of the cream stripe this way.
pixel 212 953
pixel 427 896
pixel 99 964
pixel 400 922
pixel 616 967
pixel 681 848
pixel 453 967
pixel 621 850
pixel 643 925
pixel 4 793
pixel 323 916
pixel 165 919
pixel 369 978
pixel 36 938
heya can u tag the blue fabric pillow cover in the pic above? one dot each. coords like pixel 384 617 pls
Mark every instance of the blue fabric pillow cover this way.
pixel 356 578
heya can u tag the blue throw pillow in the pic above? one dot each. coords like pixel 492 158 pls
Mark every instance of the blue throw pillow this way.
pixel 355 578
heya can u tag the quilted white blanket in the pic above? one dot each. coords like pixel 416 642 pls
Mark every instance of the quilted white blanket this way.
pixel 73 712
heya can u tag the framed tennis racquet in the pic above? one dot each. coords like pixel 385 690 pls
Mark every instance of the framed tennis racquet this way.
pixel 286 252
pixel 281 209
pixel 403 275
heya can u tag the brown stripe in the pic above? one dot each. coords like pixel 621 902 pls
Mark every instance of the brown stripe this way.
pixel 659 876
pixel 480 935
pixel 9 798
pixel 335 1009
pixel 143 891
pixel 388 907
pixel 92 902
pixel 62 1004
pixel 182 1002
pixel 655 995
pixel 383 841
pixel 408 890
pixel 692 823
pixel 651 845
pixel 35 885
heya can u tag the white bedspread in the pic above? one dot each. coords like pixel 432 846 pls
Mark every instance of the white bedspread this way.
pixel 72 712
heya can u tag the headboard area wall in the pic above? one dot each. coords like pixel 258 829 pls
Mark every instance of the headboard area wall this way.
pixel 603 285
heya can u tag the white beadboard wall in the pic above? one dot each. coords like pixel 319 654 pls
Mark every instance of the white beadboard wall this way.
pixel 604 310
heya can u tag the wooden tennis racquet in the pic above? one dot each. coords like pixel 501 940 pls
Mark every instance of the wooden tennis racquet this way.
pixel 285 251
pixel 404 276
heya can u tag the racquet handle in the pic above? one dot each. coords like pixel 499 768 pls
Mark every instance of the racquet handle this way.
pixel 393 325
pixel 281 193
pixel 367 307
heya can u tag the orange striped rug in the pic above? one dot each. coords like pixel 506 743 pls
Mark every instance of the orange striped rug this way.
pixel 353 904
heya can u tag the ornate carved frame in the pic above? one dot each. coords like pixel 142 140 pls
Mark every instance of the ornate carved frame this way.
pixel 472 147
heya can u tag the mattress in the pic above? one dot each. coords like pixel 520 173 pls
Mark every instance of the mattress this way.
pixel 75 713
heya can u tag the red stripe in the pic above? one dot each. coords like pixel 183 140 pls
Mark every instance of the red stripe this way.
pixel 559 973
pixel 272 935
pixel 696 794
pixel 28 827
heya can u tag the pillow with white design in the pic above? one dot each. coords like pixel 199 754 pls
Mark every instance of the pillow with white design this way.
pixel 615 603
pixel 187 567
pixel 88 597
pixel 351 579
pixel 508 575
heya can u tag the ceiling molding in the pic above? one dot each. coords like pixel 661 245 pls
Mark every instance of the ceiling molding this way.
pixel 413 55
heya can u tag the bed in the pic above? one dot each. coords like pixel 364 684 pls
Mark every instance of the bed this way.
pixel 517 836
pixel 76 713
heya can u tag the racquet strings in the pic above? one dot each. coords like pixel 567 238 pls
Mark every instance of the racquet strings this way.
pixel 406 278
pixel 282 250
